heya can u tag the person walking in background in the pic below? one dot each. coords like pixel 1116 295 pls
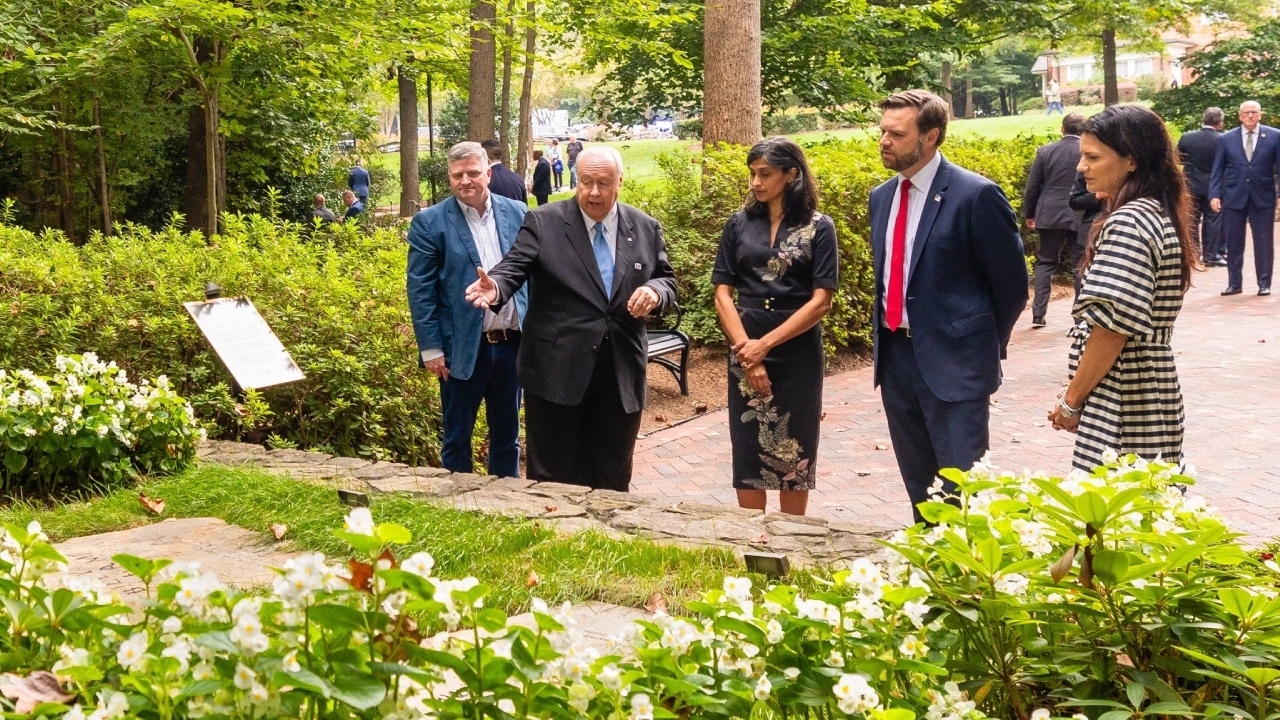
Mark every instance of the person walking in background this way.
pixel 1198 149
pixel 951 281
pixel 472 351
pixel 541 178
pixel 358 182
pixel 1124 394
pixel 355 207
pixel 321 212
pixel 557 165
pixel 780 256
pixel 595 268
pixel 504 181
pixel 1087 206
pixel 1046 204
pixel 1243 188
pixel 1053 97
pixel 571 152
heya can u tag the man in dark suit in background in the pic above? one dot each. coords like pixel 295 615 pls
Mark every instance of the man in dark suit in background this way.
pixel 504 182
pixel 1198 149
pixel 541 178
pixel 595 268
pixel 951 281
pixel 1046 204
pixel 358 182
pixel 1243 188
pixel 355 207
pixel 1087 206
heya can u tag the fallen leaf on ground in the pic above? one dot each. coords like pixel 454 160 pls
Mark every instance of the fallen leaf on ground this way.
pixel 28 692
pixel 656 603
pixel 155 506
pixel 881 446
pixel 132 322
pixel 863 473
pixel 532 580
pixel 699 408
pixel 660 418
pixel 550 508
pixel 279 530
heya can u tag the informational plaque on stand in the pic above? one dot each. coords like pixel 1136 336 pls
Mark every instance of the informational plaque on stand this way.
pixel 252 353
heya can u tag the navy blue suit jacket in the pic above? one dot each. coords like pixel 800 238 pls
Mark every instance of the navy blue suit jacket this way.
pixel 442 262
pixel 358 180
pixel 966 285
pixel 508 184
pixel 1236 180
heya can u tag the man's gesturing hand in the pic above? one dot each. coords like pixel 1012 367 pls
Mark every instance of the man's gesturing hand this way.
pixel 438 367
pixel 642 301
pixel 483 292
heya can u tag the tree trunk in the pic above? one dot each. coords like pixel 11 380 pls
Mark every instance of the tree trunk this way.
pixel 524 140
pixel 504 112
pixel 196 200
pixel 1013 100
pixel 211 163
pixel 62 165
pixel 431 138
pixel 1004 100
pixel 104 200
pixel 946 87
pixel 481 72
pixel 731 75
pixel 968 97
pixel 1110 87
pixel 409 194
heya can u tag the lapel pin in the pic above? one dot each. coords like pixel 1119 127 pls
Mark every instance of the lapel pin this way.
pixel 637 266
pixel 628 239
pixel 937 198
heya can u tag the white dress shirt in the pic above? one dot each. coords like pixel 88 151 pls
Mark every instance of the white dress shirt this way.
pixel 610 229
pixel 484 232
pixel 917 196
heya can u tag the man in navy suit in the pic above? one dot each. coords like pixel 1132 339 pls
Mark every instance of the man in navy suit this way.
pixel 951 280
pixel 504 182
pixel 1199 149
pixel 358 181
pixel 472 351
pixel 1243 188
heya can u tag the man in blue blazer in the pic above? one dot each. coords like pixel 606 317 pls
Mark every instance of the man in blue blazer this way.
pixel 1243 188
pixel 358 181
pixel 951 280
pixel 472 351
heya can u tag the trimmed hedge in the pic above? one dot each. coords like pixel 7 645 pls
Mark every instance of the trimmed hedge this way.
pixel 336 300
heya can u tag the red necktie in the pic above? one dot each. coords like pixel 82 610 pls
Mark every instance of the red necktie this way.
pixel 898 261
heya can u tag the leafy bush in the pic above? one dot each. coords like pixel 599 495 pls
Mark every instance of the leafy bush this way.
pixel 785 123
pixel 336 301
pixel 702 191
pixel 690 129
pixel 88 424
pixel 1228 72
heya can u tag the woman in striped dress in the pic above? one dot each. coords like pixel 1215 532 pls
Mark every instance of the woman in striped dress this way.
pixel 1124 394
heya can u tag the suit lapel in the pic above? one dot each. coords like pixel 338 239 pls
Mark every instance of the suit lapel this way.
pixel 932 202
pixel 502 221
pixel 624 250
pixel 878 221
pixel 577 234
pixel 464 231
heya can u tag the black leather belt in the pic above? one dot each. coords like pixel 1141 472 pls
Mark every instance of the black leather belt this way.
pixel 903 331
pixel 500 336
pixel 769 303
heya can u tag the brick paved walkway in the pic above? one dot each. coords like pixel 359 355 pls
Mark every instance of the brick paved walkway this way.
pixel 1228 352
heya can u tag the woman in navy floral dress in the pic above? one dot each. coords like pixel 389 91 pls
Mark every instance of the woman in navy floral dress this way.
pixel 780 256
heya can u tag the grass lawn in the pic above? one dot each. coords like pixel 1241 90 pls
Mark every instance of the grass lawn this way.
pixel 499 551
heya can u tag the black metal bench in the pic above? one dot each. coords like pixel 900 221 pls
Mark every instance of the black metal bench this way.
pixel 667 340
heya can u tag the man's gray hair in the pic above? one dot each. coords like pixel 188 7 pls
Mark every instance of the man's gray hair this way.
pixel 1212 117
pixel 468 149
pixel 606 152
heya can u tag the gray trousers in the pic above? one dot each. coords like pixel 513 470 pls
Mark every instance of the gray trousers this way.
pixel 1054 246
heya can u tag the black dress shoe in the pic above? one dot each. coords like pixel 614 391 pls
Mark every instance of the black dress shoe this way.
pixel 1038 322
pixel 1215 262
pixel 1233 290
pixel 1264 291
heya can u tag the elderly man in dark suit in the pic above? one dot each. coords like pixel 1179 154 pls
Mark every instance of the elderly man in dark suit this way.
pixel 504 182
pixel 1198 149
pixel 595 268
pixel 950 283
pixel 1046 204
pixel 1243 188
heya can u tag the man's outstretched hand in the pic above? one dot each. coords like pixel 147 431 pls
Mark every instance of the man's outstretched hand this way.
pixel 483 292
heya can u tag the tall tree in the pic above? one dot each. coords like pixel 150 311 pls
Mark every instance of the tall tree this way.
pixel 524 138
pixel 481 78
pixel 407 85
pixel 731 76
pixel 504 109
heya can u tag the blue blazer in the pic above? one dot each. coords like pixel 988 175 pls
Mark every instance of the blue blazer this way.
pixel 358 180
pixel 1235 181
pixel 966 285
pixel 442 262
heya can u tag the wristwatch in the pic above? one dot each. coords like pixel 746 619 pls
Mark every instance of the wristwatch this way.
pixel 1065 411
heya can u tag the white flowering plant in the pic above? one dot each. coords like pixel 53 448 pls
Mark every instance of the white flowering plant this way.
pixel 88 423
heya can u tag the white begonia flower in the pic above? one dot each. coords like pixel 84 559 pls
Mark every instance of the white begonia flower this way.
pixel 1013 584
pixel 641 707
pixel 172 625
pixel 763 688
pixel 180 649
pixel 290 662
pixel 245 677
pixel 915 610
pixel 420 564
pixel 1040 714
pixel 75 713
pixel 737 589
pixel 133 651
pixel 71 657
pixel 913 647
pixel 791 673
pixel 359 521
pixel 258 693
pixel 580 695
pixel 1110 457
pixel 835 659
pixel 115 705
pixel 773 632
pixel 248 633
pixel 610 677
pixel 855 694
pixel 864 572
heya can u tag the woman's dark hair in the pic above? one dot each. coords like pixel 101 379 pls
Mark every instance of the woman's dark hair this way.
pixel 1136 133
pixel 800 197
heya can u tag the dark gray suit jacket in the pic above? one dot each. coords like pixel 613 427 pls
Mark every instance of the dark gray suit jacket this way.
pixel 1048 195
pixel 1198 149
pixel 569 314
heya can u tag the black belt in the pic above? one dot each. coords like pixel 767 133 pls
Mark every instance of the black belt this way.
pixel 496 337
pixel 769 303
pixel 903 331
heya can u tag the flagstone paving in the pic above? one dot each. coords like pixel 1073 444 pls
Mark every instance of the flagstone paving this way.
pixel 1228 357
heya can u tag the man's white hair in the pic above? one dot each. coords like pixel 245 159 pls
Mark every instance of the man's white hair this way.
pixel 604 152
pixel 1254 103
pixel 467 149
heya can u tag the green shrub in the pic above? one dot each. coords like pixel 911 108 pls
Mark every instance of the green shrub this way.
pixel 702 191
pixel 87 425
pixel 336 301
pixel 690 129
pixel 785 123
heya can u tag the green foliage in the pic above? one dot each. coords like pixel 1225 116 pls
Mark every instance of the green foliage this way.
pixel 87 426
pixel 772 124
pixel 702 191
pixel 1228 72
pixel 336 300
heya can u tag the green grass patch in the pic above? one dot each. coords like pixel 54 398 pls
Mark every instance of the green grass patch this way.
pixel 499 551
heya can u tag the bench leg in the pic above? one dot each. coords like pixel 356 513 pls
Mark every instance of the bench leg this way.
pixel 684 371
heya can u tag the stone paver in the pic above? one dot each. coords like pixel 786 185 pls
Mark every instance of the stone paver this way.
pixel 1228 355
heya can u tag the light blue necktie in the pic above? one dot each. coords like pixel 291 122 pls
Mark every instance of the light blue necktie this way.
pixel 604 260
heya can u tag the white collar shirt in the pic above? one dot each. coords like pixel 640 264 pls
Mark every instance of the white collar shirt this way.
pixel 917 196
pixel 610 223
pixel 484 232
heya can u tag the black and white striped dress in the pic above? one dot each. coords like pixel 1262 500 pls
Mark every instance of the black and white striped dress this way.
pixel 1132 287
